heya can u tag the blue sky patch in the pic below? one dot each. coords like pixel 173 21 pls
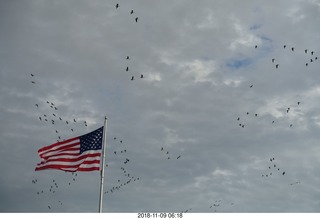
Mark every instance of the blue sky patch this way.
pixel 239 63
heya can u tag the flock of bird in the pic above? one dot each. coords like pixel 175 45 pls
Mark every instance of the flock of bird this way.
pixel 119 151
pixel 310 59
pixel 273 167
pixel 242 120
pixel 133 77
pixel 53 187
pixel 166 153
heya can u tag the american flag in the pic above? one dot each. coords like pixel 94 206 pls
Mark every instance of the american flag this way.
pixel 80 153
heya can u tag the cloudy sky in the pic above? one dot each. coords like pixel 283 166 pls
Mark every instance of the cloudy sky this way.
pixel 205 64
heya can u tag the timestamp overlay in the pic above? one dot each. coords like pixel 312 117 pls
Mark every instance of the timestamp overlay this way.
pixel 159 215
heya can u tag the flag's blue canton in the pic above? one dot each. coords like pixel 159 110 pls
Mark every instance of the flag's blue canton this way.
pixel 91 141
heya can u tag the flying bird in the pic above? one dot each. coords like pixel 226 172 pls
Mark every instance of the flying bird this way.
pixel 251 86
pixel 283 173
pixel 37 105
pixel 127 69
pixel 256 46
pixel 306 64
pixel 284 46
pixel 136 19
pixel 131 12
pixel 161 148
pixel 292 48
pixel 117 5
pixel 178 156
pixel 33 82
pixel 312 52
pixel 305 51
pixel 141 76
pixel 128 57
pixel 132 78
pixel 273 60
pixel 277 65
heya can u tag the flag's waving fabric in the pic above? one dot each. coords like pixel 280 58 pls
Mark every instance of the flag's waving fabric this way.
pixel 80 153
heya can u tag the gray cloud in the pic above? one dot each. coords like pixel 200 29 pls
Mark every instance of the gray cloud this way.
pixel 198 60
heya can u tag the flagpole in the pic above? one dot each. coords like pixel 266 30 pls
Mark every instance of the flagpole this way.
pixel 103 159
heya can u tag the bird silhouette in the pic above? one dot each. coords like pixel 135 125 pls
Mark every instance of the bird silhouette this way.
pixel 178 157
pixel 33 82
pixel 128 57
pixel 284 46
pixel 74 120
pixel 32 75
pixel 117 5
pixel 277 65
pixel 136 19
pixel 283 173
pixel 132 78
pixel 127 69
pixel 131 12
pixel 312 52
pixel 256 46
pixel 238 118
pixel 251 86
pixel 292 48
pixel 141 76
pixel 306 64
pixel 273 60
pixel 161 148
pixel 37 105
pixel 305 51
